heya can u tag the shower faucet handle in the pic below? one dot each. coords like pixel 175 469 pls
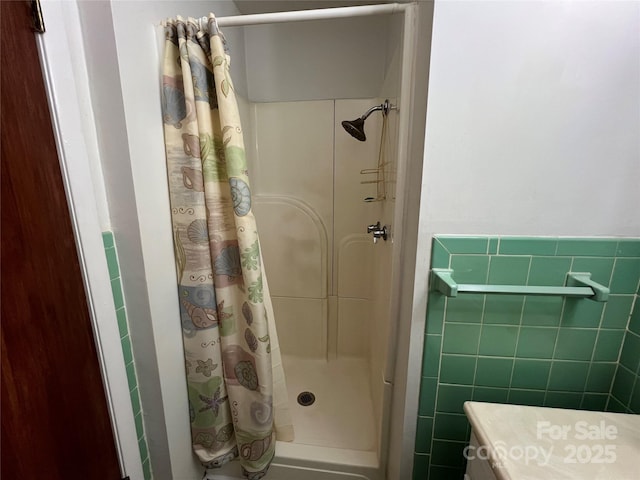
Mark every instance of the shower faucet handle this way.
pixel 372 228
pixel 378 232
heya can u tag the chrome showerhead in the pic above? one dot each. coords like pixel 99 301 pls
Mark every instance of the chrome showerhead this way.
pixel 355 128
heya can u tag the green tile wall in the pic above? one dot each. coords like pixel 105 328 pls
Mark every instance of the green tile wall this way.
pixel 625 393
pixel 545 351
pixel 127 353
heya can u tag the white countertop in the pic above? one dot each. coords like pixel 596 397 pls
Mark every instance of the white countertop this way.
pixel 536 443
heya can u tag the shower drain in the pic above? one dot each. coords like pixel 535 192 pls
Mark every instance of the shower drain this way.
pixel 306 398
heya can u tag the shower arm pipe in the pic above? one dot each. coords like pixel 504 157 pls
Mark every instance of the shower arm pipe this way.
pixel 307 15
pixel 578 285
pixel 385 107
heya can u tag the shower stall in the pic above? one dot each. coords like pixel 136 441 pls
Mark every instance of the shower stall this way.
pixel 328 280
pixel 332 208
pixel 322 189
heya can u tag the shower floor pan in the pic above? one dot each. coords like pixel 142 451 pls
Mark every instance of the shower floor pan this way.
pixel 342 414
pixel 335 437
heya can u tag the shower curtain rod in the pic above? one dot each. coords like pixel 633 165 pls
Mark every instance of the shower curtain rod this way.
pixel 305 15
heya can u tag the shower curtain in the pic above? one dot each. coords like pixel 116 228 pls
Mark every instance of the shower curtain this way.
pixel 231 352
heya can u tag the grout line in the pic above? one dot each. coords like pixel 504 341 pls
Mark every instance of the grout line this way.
pixel 634 304
pixel 515 352
pixel 141 433
pixel 504 357
pixel 521 319
pixel 624 338
pixel 613 269
pixel 529 269
pixel 437 239
pixel 477 354
pixel 633 387
pixel 632 333
pixel 126 322
pixel 435 402
pixel 553 354
pixel 491 257
pixel 532 390
pixel 593 353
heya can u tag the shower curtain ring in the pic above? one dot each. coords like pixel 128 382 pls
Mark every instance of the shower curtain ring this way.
pixel 204 22
pixel 215 23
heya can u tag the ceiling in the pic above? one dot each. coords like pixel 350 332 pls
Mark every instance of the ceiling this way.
pixel 266 6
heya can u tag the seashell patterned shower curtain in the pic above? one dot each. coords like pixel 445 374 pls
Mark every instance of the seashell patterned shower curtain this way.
pixel 231 351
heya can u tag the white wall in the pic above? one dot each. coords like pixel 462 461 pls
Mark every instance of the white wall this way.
pixel 113 155
pixel 66 78
pixel 83 93
pixel 121 44
pixel 533 119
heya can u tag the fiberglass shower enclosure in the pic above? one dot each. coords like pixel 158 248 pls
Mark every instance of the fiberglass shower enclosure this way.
pixel 316 190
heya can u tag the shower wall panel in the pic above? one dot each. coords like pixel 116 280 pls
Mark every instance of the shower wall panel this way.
pixel 292 178
pixel 309 203
pixel 354 252
pixel 382 287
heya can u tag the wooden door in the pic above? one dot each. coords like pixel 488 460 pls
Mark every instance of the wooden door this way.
pixel 55 422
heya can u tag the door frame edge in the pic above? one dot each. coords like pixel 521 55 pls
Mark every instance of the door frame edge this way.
pixel 67 115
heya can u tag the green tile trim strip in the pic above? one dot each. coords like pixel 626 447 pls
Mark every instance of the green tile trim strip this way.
pixel 127 352
pixel 524 349
pixel 540 246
